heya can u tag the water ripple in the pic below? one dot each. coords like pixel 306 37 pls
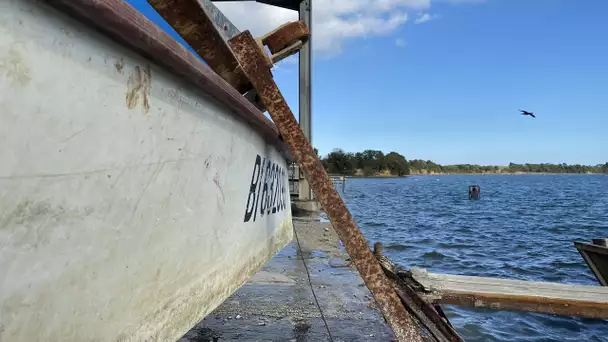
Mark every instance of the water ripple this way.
pixel 522 228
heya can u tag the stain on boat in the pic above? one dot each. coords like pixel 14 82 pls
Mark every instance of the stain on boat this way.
pixel 138 86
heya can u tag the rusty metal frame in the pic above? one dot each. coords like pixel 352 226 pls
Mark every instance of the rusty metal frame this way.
pixel 195 26
pixel 205 28
pixel 243 55
pixel 222 24
pixel 429 315
pixel 286 4
pixel 426 313
pixel 253 64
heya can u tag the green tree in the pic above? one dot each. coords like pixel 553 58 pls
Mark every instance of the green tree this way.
pixel 396 164
pixel 339 162
pixel 372 162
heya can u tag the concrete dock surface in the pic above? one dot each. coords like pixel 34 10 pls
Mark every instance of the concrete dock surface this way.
pixel 277 304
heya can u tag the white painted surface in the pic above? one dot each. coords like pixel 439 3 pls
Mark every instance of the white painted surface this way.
pixel 122 189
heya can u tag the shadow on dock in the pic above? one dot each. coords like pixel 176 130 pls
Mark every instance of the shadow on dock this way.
pixel 277 304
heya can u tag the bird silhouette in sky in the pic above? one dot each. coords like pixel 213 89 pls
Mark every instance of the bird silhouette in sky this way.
pixel 523 112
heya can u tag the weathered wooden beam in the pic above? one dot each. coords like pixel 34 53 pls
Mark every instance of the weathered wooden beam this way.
pixel 519 295
pixel 252 61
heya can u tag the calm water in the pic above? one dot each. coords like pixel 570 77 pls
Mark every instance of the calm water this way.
pixel 522 228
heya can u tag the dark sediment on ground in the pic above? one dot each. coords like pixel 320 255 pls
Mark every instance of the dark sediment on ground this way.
pixel 277 304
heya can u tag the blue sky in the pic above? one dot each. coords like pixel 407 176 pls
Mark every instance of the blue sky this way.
pixel 449 88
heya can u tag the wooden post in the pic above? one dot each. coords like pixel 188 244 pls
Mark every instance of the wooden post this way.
pixel 474 192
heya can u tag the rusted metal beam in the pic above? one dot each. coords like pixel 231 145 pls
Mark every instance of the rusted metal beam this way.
pixel 198 23
pixel 222 24
pixel 195 26
pixel 428 315
pixel 285 35
pixel 519 295
pixel 287 4
pixel 429 318
pixel 283 41
pixel 253 63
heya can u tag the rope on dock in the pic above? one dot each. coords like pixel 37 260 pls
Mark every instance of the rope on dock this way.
pixel 311 287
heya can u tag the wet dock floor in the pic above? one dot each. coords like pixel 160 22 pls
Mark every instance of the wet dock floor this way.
pixel 277 304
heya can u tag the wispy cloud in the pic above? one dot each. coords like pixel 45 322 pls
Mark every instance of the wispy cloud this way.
pixel 464 1
pixel 334 21
pixel 424 18
pixel 400 42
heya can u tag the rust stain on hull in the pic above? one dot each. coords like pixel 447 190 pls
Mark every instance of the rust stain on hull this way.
pixel 119 65
pixel 147 82
pixel 14 67
pixel 133 87
pixel 138 86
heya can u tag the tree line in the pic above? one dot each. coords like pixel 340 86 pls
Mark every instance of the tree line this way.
pixel 376 163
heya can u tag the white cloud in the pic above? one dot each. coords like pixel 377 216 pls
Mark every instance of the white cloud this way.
pixel 424 18
pixel 400 42
pixel 464 1
pixel 334 21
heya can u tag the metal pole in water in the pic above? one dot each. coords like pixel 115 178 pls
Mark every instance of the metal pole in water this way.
pixel 474 192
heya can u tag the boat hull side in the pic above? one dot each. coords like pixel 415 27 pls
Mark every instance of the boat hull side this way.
pixel 124 191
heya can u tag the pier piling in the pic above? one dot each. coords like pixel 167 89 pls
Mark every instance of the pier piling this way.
pixel 474 192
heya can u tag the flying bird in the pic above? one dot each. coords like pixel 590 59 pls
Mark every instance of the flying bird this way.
pixel 523 112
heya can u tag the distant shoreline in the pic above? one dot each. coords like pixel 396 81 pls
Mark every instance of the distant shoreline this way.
pixel 505 173
pixel 471 173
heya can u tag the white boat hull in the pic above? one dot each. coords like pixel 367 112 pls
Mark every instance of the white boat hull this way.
pixel 125 203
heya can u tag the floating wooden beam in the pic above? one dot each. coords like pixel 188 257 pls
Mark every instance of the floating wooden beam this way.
pixel 504 294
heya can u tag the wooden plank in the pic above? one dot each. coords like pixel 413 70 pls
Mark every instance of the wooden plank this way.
pixel 505 294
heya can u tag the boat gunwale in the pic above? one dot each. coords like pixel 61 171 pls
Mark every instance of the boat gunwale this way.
pixel 126 25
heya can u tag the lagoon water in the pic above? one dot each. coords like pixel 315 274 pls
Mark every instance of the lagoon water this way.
pixel 523 227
